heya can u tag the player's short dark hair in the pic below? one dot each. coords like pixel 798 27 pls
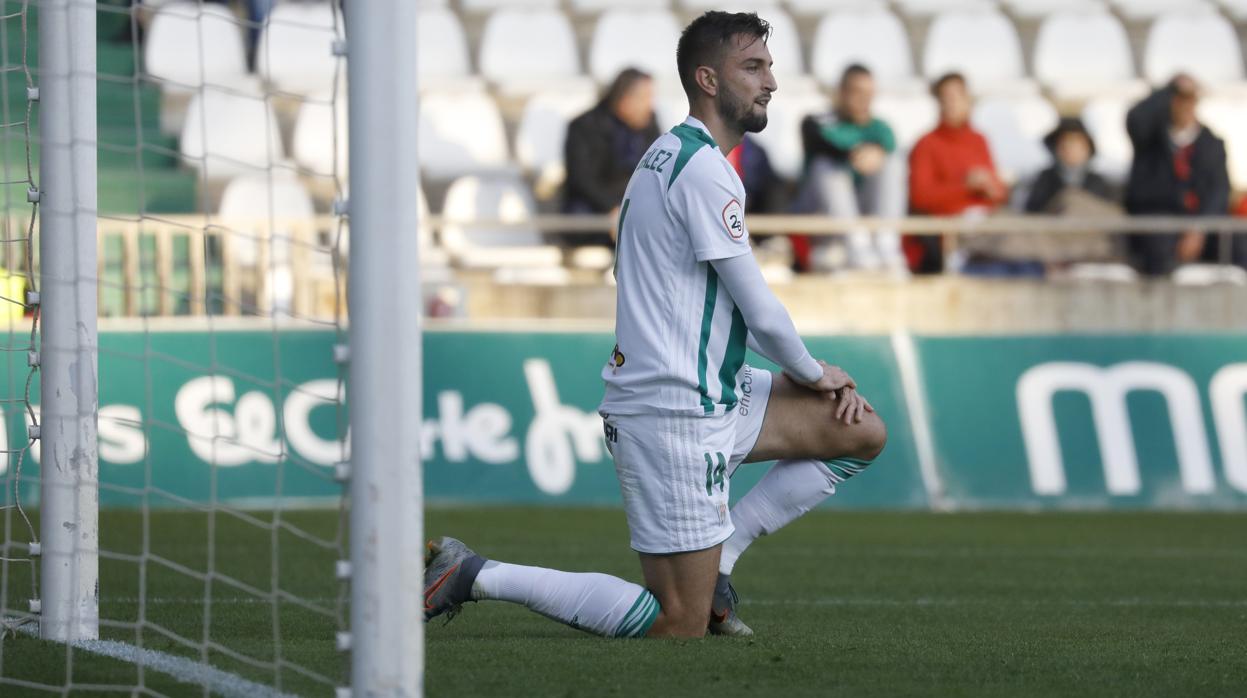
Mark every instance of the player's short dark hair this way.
pixel 944 79
pixel 852 70
pixel 706 38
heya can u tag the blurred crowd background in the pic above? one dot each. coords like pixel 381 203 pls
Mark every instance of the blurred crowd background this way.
pixel 534 111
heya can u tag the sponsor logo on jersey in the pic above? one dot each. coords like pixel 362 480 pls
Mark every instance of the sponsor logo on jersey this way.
pixel 734 219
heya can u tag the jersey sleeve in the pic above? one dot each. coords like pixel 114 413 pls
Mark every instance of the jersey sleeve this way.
pixel 706 202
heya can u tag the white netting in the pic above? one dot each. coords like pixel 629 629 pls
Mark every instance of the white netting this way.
pixel 222 303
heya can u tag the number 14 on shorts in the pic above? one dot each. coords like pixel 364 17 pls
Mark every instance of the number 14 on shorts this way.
pixel 716 469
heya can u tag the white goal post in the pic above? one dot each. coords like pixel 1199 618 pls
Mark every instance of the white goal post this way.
pixel 384 394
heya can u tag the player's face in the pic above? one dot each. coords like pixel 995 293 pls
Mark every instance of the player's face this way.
pixel 746 84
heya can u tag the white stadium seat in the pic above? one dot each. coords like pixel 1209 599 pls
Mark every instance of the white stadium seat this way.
pixel 782 136
pixel 1203 44
pixel 441 48
pixel 247 204
pixel 1037 9
pixel 190 45
pixel 818 7
pixel 1149 9
pixel 486 5
pixel 511 59
pixel 1227 117
pixel 295 52
pixel 911 116
pixel 587 6
pixel 644 39
pixel 543 127
pixel 1015 127
pixel 983 46
pixel 1105 118
pixel 460 133
pixel 312 144
pixel 1236 9
pixel 1081 54
pixel 497 198
pixel 926 8
pixel 874 38
pixel 227 134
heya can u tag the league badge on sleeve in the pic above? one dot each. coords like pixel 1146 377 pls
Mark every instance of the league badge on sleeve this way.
pixel 734 219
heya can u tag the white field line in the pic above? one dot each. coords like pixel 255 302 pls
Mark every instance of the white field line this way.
pixel 218 681
pixel 916 402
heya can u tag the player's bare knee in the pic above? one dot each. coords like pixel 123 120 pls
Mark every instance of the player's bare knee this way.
pixel 872 436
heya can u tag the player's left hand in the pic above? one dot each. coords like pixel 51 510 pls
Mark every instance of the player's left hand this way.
pixel 852 406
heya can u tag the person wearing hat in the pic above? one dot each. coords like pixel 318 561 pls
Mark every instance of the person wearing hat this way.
pixel 1072 149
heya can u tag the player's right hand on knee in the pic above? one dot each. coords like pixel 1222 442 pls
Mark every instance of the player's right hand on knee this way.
pixel 833 379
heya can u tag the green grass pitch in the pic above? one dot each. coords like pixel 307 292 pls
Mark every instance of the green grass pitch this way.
pixel 852 604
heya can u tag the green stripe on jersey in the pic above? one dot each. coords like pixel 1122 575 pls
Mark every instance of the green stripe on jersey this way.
pixel 692 139
pixel 623 212
pixel 707 320
pixel 733 359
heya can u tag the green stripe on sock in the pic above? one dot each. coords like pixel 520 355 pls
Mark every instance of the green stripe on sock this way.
pixel 634 620
pixel 648 622
pixel 632 613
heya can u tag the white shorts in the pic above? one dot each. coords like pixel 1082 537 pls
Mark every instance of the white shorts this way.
pixel 675 470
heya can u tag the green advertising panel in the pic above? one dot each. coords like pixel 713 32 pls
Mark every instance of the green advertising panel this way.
pixel 509 417
pixel 1089 421
pixel 1032 422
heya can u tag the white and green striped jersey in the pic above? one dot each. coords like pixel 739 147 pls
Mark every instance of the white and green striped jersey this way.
pixel 680 338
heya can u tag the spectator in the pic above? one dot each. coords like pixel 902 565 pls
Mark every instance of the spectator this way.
pixel 1069 187
pixel 950 171
pixel 1179 169
pixel 1072 149
pixel 852 170
pixel 604 146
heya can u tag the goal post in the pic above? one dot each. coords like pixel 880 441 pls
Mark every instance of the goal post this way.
pixel 68 352
pixel 384 392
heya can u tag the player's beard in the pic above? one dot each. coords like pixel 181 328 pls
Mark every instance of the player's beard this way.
pixel 738 113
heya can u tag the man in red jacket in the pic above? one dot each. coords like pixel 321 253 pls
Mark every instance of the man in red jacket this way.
pixel 950 171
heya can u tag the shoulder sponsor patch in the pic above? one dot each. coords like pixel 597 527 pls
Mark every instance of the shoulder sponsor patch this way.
pixel 734 219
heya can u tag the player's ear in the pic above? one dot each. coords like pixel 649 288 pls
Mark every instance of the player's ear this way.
pixel 707 80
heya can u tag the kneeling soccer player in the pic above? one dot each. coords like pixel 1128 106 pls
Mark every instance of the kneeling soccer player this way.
pixel 681 410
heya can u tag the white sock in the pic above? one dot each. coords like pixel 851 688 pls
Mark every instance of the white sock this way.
pixel 788 490
pixel 598 603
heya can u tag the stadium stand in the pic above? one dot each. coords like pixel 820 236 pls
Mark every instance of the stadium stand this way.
pixel 1203 44
pixel 230 133
pixel 873 37
pixel 1105 118
pixel 310 148
pixel 543 129
pixel 441 49
pixel 515 64
pixel 190 45
pixel 495 103
pixel 644 39
pixel 983 46
pixel 501 198
pixel 461 133
pixel 295 51
pixel 1080 53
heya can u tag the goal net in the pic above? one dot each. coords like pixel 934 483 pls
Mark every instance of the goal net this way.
pixel 175 214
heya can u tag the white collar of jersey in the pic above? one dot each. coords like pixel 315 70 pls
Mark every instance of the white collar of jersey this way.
pixel 696 123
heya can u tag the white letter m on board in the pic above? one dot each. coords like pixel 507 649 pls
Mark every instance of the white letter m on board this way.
pixel 1107 389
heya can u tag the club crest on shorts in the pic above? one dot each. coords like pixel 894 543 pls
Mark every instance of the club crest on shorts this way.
pixel 734 219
